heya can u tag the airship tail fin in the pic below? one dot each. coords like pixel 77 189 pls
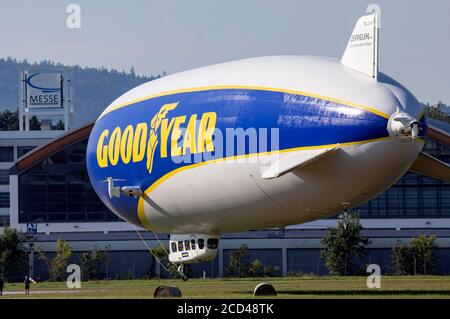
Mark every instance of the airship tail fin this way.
pixel 294 161
pixel 432 167
pixel 361 53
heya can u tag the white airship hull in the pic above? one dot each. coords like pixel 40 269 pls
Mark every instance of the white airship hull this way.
pixel 191 201
pixel 224 196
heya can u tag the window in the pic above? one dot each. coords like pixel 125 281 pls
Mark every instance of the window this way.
pixel 180 246
pixel 173 247
pixel 4 221
pixel 430 201
pixel 4 177
pixel 6 154
pixel 393 201
pixel 187 245
pixel 4 200
pixel 22 150
pixel 212 243
pixel 201 243
pixel 58 189
pixel 193 244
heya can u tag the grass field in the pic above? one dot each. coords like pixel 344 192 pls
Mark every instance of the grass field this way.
pixel 298 287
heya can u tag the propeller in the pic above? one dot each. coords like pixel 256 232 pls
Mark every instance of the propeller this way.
pixel 403 126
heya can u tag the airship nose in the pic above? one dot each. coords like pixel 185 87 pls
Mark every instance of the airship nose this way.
pixel 406 127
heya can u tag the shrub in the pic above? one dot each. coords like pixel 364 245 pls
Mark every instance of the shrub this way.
pixel 344 246
pixel 416 258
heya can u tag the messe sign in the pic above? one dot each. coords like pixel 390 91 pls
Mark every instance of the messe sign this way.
pixel 43 90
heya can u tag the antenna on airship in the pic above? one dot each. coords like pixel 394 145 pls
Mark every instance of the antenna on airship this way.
pixel 361 53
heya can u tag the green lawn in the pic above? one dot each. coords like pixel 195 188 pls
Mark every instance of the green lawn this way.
pixel 295 287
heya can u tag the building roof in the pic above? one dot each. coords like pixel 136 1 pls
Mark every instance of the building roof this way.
pixel 44 151
pixel 439 125
pixel 437 130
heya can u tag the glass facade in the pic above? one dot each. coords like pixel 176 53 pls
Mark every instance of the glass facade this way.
pixel 4 176
pixel 4 200
pixel 22 150
pixel 58 190
pixel 6 154
pixel 414 196
pixel 4 221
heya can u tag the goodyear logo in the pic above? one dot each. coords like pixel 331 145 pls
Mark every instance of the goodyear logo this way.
pixel 139 142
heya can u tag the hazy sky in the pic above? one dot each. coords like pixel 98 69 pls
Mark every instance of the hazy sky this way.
pixel 177 35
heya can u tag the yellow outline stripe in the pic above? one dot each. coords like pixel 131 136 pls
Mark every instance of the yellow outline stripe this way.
pixel 421 140
pixel 141 213
pixel 261 88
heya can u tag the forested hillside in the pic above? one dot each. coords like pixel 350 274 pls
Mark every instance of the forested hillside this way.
pixel 94 88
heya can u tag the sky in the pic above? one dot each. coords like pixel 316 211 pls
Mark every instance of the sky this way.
pixel 176 35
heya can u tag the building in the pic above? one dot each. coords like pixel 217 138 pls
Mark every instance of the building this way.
pixel 50 194
pixel 14 145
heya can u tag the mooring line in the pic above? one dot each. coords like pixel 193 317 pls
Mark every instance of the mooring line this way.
pixel 149 249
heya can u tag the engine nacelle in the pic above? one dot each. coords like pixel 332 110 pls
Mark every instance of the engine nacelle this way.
pixel 192 248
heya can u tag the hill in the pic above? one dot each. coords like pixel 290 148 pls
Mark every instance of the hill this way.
pixel 94 88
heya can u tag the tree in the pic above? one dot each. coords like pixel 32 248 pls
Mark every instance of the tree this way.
pixel 272 271
pixel 437 112
pixel 416 258
pixel 423 251
pixel 238 266
pixel 13 255
pixel 60 125
pixel 94 87
pixel 160 252
pixel 402 259
pixel 57 265
pixel 35 124
pixel 344 246
pixel 93 262
pixel 9 121
pixel 173 270
pixel 256 268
